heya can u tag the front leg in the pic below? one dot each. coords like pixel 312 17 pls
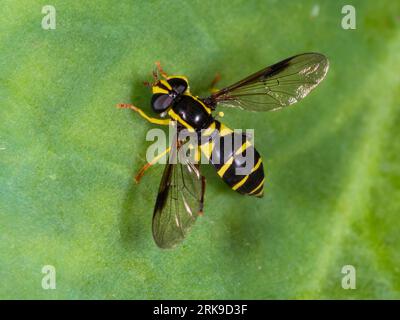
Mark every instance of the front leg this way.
pixel 161 71
pixel 144 115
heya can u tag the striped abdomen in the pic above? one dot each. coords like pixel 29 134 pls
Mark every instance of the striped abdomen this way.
pixel 237 163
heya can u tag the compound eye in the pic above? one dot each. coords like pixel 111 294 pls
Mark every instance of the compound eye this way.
pixel 179 85
pixel 161 102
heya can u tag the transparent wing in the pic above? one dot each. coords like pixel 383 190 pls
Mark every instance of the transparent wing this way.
pixel 179 201
pixel 276 86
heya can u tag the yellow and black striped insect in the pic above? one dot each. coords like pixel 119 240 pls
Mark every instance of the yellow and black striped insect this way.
pixel 181 193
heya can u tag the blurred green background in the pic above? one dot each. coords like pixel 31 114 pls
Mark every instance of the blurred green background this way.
pixel 68 156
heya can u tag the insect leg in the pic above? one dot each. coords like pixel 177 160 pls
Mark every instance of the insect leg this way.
pixel 160 70
pixel 216 79
pixel 203 191
pixel 147 84
pixel 144 115
pixel 141 172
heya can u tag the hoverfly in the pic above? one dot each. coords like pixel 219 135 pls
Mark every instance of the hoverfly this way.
pixel 181 192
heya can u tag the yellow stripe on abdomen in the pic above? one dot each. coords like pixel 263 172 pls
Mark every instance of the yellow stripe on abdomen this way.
pixel 240 183
pixel 225 167
pixel 258 187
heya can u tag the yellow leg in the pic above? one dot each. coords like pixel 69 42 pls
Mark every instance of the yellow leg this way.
pixel 141 172
pixel 141 112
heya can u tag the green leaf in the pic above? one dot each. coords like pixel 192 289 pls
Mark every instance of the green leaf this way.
pixel 68 156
